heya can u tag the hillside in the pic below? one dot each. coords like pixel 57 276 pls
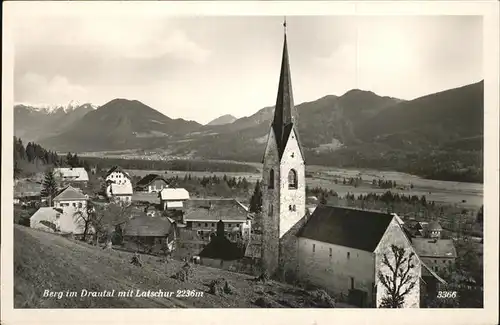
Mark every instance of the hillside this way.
pixel 120 124
pixel 47 261
pixel 32 123
pixel 224 119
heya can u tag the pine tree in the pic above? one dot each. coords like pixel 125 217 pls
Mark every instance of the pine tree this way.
pixel 256 200
pixel 49 186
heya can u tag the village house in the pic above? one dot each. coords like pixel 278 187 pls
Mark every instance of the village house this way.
pixel 437 253
pixel 202 216
pixel 73 206
pixel 173 198
pixel 148 234
pixel 74 176
pixel 151 183
pixel 119 186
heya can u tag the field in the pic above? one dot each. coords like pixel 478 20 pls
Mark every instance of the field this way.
pixel 467 195
pixel 44 261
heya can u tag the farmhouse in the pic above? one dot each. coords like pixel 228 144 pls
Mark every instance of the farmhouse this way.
pixel 341 250
pixel 437 253
pixel 75 176
pixel 151 183
pixel 118 186
pixel 202 216
pixel 149 234
pixel 173 198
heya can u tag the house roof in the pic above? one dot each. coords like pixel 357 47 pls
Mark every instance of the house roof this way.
pixel 214 210
pixel 75 173
pixel 222 248
pixel 143 225
pixel 117 169
pixel 434 225
pixel 359 229
pixel 174 194
pixel 427 247
pixel 70 193
pixel 45 213
pixel 121 189
pixel 146 197
pixel 148 179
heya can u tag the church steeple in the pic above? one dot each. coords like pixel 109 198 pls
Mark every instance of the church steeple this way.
pixel 284 113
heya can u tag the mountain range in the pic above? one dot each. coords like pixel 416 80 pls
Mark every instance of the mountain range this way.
pixel 224 119
pixel 357 129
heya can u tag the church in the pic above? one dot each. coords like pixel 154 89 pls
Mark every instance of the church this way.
pixel 337 249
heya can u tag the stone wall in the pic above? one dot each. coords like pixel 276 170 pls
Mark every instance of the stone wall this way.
pixel 394 235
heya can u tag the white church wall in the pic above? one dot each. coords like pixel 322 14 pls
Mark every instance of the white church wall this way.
pixel 334 273
pixel 292 198
pixel 394 235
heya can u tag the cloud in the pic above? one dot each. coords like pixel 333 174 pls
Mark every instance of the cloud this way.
pixel 35 88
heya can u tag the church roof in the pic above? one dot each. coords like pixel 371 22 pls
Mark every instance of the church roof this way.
pixel 359 229
pixel 284 121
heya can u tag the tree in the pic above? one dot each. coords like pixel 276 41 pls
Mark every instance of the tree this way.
pixel 479 217
pixel 322 198
pixel 398 281
pixel 105 218
pixel 49 186
pixel 256 199
pixel 87 219
pixel 17 170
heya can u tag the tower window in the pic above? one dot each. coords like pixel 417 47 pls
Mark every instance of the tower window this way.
pixel 294 208
pixel 314 248
pixel 348 255
pixel 290 207
pixel 271 179
pixel 330 252
pixel 292 179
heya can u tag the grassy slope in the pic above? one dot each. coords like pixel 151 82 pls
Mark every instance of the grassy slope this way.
pixel 48 261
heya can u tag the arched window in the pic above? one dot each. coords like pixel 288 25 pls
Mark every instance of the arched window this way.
pixel 271 179
pixel 292 179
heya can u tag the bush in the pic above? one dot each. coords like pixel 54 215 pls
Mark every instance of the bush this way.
pixel 184 274
pixel 321 299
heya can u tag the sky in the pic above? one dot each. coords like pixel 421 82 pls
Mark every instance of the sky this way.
pixel 199 68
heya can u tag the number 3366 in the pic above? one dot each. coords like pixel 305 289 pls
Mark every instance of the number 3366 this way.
pixel 446 294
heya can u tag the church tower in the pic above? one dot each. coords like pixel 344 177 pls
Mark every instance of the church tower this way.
pixel 283 179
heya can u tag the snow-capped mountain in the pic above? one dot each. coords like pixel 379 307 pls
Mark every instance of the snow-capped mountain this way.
pixel 35 121
pixel 54 108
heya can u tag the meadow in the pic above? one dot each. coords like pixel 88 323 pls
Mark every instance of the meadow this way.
pixel 466 195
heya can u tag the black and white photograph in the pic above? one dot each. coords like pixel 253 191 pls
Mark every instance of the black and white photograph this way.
pixel 281 160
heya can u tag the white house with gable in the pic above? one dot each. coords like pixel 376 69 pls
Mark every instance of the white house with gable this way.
pixel 73 204
pixel 75 176
pixel 119 185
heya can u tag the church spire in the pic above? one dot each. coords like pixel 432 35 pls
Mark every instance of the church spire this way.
pixel 284 112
